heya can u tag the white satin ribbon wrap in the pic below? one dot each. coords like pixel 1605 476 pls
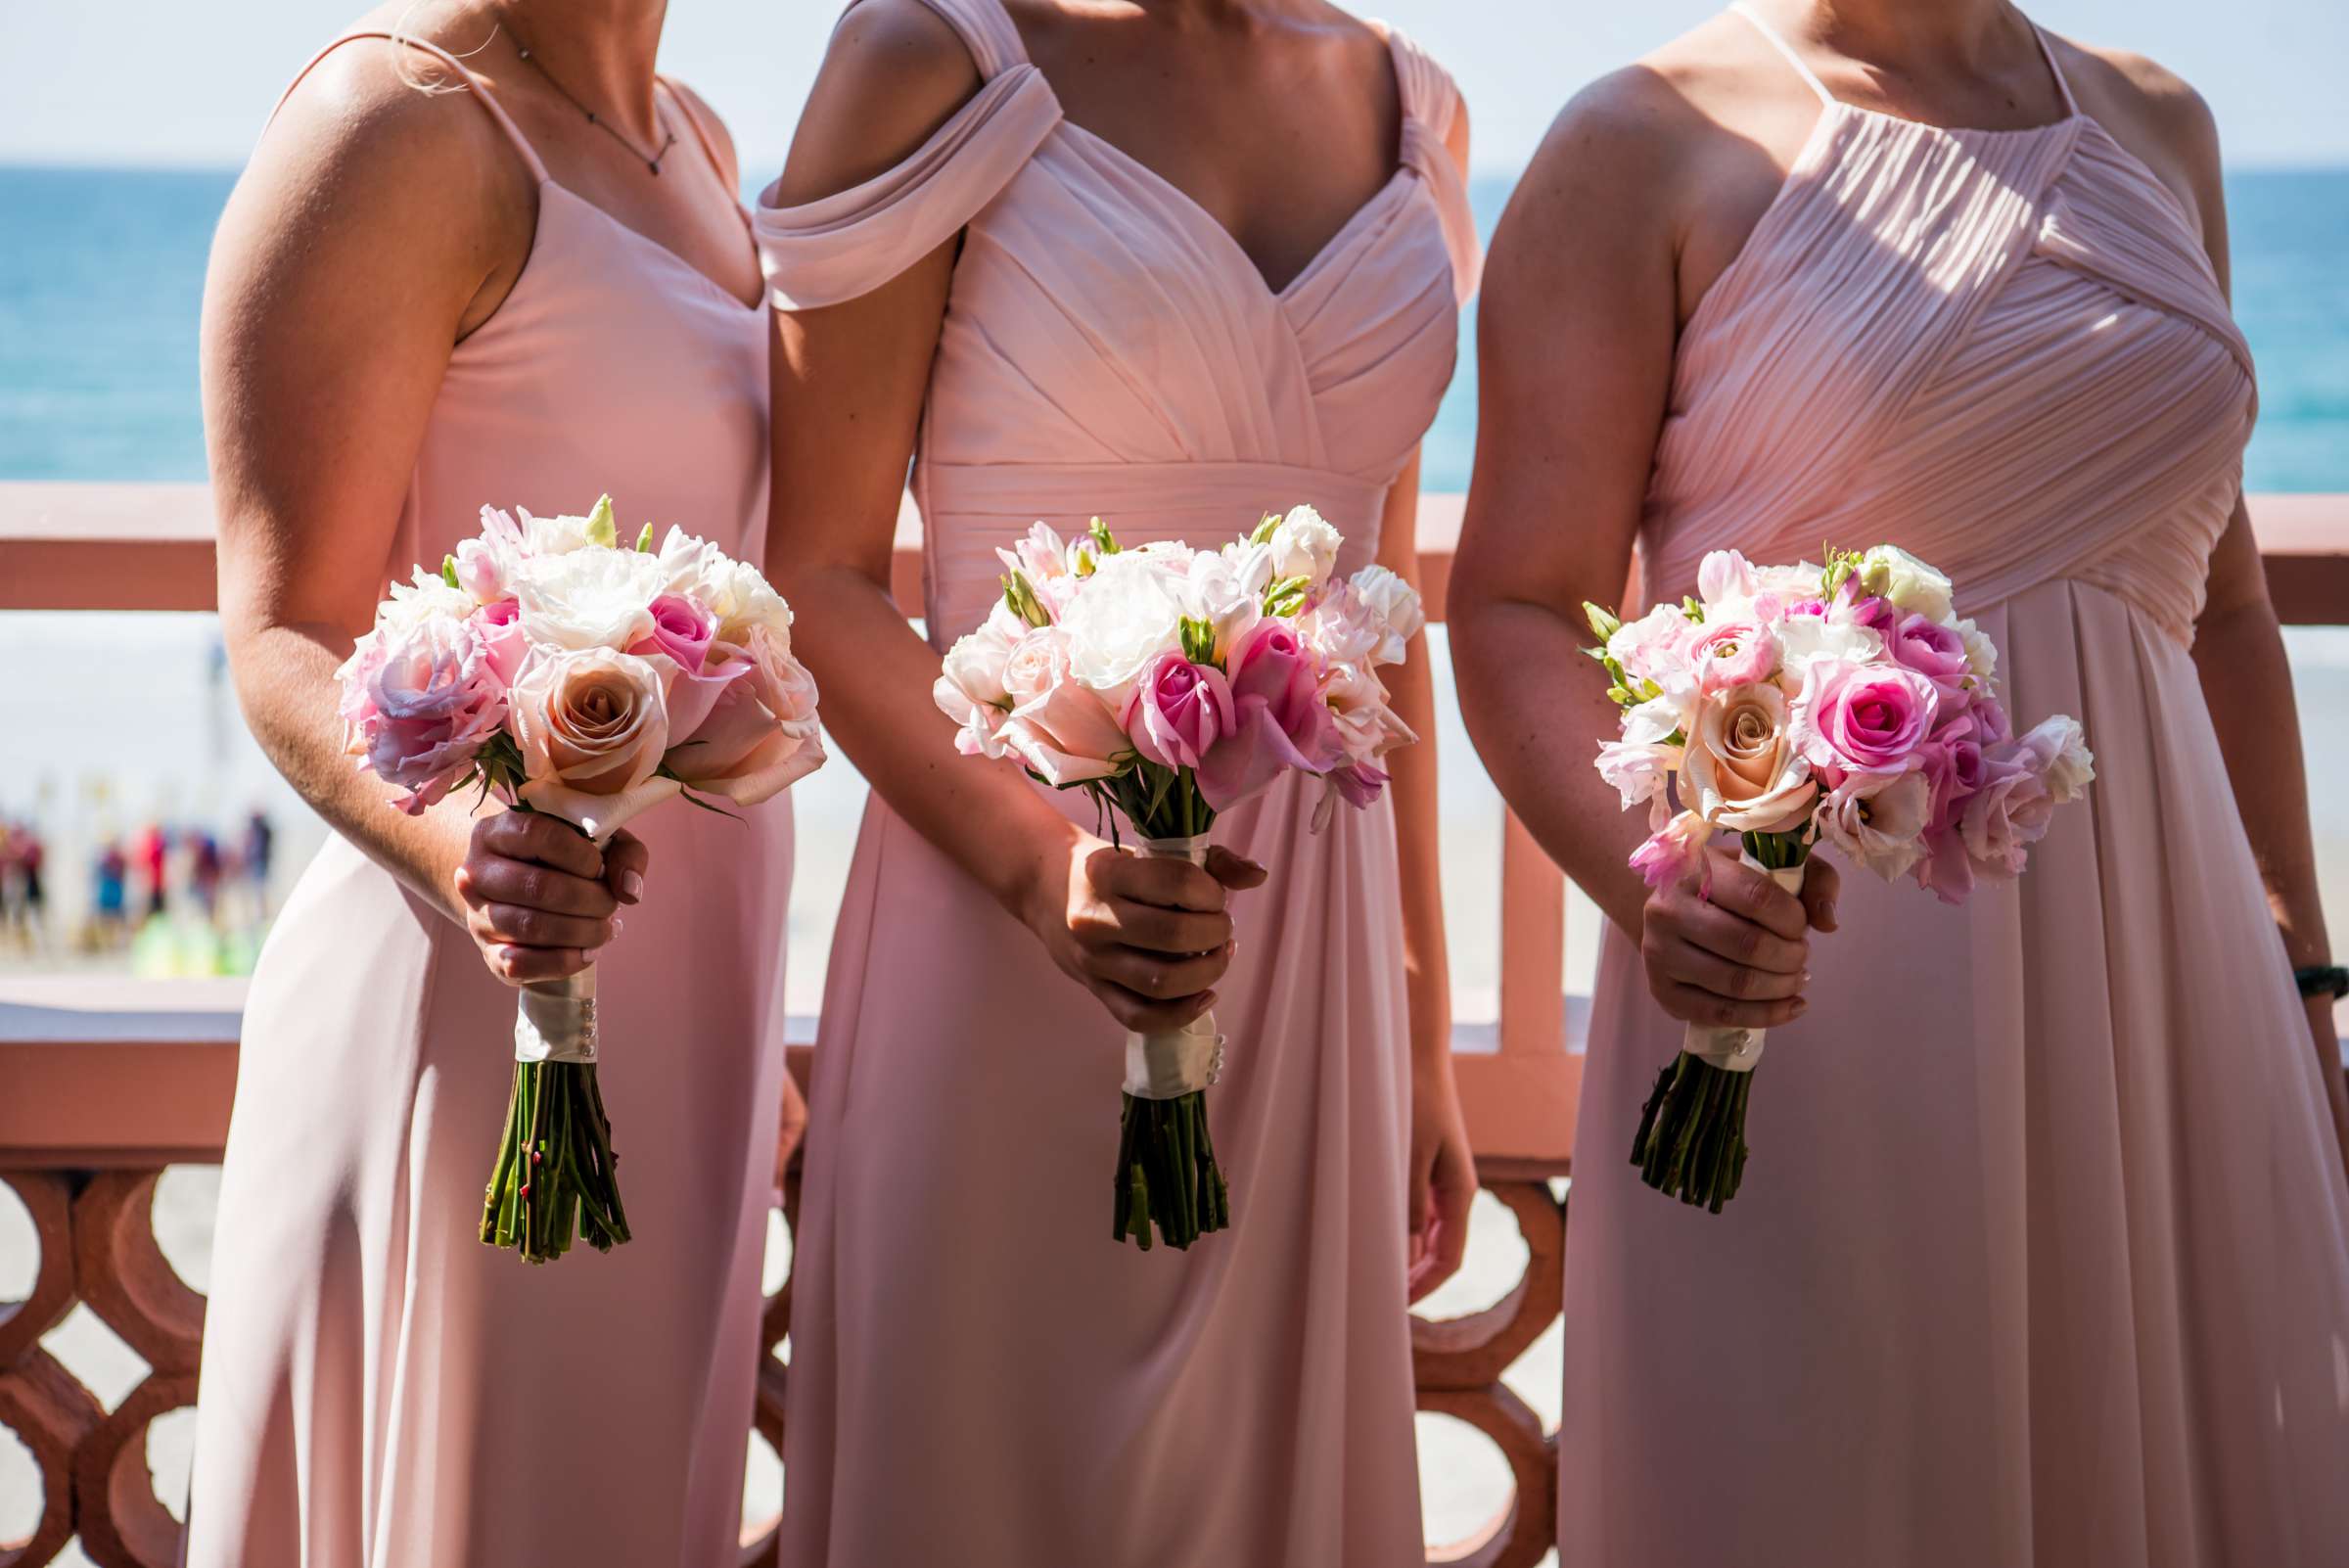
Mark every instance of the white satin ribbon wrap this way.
pixel 555 1021
pixel 1170 1065
pixel 1736 1051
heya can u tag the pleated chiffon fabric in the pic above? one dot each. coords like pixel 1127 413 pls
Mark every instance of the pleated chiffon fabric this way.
pixel 2042 1253
pixel 965 1332
pixel 379 1389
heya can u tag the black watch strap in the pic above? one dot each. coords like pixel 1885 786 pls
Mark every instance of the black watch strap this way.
pixel 2322 980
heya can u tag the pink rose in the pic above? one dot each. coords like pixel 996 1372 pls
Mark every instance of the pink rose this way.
pixel 419 705
pixel 592 725
pixel 681 629
pixel 1935 652
pixel 1281 720
pixel 1059 727
pixel 1862 609
pixel 499 626
pixel 1869 719
pixel 697 667
pixel 761 735
pixel 1732 653
pixel 1179 712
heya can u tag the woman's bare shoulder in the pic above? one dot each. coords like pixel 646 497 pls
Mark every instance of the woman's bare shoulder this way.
pixel 895 71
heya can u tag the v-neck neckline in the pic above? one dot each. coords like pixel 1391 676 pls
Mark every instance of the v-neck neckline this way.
pixel 1198 211
pixel 741 215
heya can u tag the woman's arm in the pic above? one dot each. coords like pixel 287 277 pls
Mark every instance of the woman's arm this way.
pixel 1575 347
pixel 2238 646
pixel 1442 1166
pixel 1146 936
pixel 1442 1163
pixel 374 227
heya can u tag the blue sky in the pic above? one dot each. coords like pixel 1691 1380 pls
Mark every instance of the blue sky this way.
pixel 188 82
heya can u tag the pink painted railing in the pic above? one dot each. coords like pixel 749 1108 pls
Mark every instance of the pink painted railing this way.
pixel 103 1083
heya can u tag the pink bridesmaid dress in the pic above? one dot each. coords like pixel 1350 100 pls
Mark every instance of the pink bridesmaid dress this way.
pixel 980 1375
pixel 379 1388
pixel 2042 1254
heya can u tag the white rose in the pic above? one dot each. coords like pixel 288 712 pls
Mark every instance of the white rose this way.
pixel 1913 586
pixel 1127 615
pixel 973 665
pixel 1304 546
pixel 596 598
pixel 426 598
pixel 1394 605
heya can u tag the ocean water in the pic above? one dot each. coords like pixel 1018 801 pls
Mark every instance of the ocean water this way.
pixel 102 270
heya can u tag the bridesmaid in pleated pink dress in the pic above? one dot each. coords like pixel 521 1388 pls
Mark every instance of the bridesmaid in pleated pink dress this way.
pixel 2043 1256
pixel 987 237
pixel 439 285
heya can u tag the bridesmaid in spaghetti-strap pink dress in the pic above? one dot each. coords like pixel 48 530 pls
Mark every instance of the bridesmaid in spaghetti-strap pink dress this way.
pixel 979 1375
pixel 2043 1256
pixel 378 1387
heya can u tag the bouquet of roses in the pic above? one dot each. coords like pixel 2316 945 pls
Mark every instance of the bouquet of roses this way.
pixel 552 667
pixel 1789 705
pixel 1173 683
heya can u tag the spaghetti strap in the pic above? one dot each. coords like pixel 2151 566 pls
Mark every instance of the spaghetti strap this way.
pixel 2063 83
pixel 689 106
pixel 473 85
pixel 1786 50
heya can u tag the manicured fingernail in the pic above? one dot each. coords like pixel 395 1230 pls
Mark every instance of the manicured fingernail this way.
pixel 632 884
pixel 619 925
pixel 1806 977
pixel 1801 1006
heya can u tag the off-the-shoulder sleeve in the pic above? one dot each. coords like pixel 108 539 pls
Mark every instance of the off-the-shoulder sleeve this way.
pixel 843 245
pixel 1431 101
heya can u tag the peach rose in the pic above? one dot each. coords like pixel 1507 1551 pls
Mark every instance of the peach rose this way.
pixel 592 724
pixel 1742 765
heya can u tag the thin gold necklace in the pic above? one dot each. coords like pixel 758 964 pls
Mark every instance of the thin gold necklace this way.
pixel 651 161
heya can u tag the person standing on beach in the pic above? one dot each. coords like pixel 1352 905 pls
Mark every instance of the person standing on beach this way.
pixel 482 255
pixel 2044 1257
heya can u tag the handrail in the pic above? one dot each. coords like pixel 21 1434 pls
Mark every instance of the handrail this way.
pixel 100 547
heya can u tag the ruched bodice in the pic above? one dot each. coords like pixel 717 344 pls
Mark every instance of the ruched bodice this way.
pixel 2004 351
pixel 2043 1255
pixel 1109 347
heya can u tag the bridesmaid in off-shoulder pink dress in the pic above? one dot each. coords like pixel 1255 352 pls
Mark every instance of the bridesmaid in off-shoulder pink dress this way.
pixel 979 1376
pixel 2042 1253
